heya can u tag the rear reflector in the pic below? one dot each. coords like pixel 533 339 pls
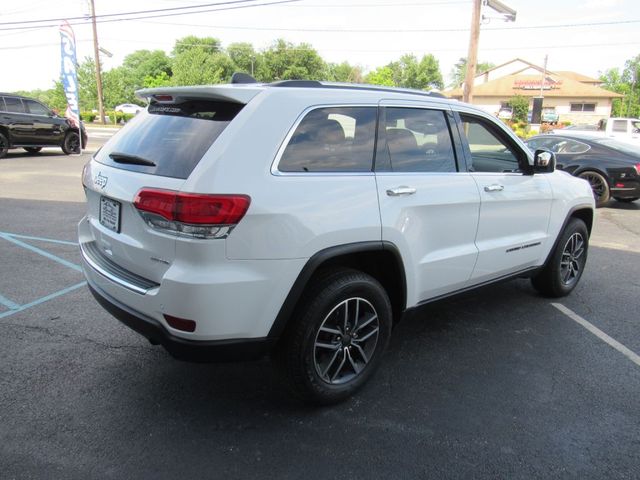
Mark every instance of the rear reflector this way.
pixel 181 323
pixel 637 167
pixel 192 214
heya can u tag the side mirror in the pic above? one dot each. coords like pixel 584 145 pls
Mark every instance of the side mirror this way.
pixel 544 161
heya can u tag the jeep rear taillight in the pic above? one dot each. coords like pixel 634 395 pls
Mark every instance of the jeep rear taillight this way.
pixel 637 167
pixel 191 214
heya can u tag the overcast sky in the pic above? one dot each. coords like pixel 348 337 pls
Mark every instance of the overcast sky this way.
pixel 369 33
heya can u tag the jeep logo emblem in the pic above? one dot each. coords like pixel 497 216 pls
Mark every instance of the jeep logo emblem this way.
pixel 100 180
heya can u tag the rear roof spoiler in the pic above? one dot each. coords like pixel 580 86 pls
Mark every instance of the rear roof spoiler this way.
pixel 236 93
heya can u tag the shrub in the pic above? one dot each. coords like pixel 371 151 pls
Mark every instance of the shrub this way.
pixel 520 106
pixel 87 116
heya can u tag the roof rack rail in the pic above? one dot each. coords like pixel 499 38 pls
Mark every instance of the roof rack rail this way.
pixel 239 77
pixel 297 83
pixel 318 84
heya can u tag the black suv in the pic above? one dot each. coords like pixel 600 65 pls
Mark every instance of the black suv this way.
pixel 27 123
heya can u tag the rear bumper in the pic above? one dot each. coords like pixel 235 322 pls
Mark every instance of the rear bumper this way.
pixel 627 189
pixel 180 348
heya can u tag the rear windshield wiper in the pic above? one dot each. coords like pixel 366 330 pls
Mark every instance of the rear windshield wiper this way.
pixel 130 159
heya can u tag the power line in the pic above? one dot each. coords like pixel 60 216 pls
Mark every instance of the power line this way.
pixel 397 50
pixel 394 30
pixel 110 20
pixel 107 15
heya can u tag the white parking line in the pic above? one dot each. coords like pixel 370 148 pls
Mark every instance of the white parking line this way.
pixel 634 357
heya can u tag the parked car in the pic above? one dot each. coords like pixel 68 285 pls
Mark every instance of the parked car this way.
pixel 611 167
pixel 303 219
pixel 623 129
pixel 29 124
pixel 130 108
pixel 549 115
pixel 505 113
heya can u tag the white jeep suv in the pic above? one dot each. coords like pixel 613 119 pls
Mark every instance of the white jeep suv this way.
pixel 303 219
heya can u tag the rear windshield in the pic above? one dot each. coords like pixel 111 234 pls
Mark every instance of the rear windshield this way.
pixel 168 139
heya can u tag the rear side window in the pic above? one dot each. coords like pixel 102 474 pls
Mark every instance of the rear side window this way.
pixel 2 106
pixel 332 139
pixel 168 139
pixel 14 105
pixel 418 140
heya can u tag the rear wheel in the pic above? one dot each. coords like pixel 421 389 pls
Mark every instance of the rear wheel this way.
pixel 33 149
pixel 626 200
pixel 4 145
pixel 71 143
pixel 562 272
pixel 599 185
pixel 337 337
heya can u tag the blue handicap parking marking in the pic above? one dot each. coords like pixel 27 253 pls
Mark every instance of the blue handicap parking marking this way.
pixel 18 240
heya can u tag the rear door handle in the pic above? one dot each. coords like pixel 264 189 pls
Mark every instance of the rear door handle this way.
pixel 396 192
pixel 494 188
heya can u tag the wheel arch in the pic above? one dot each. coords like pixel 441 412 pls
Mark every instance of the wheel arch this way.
pixel 381 260
pixel 591 168
pixel 582 212
pixel 5 131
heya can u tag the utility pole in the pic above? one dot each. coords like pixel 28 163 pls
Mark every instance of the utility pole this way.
pixel 472 56
pixel 508 15
pixel 96 53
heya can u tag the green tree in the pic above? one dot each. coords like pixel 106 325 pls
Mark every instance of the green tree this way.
pixel 244 56
pixel 459 71
pixel 198 66
pixel 146 63
pixel 344 72
pixel 626 83
pixel 422 75
pixel 88 90
pixel 160 80
pixel 381 76
pixel 286 61
pixel 520 106
pixel 184 44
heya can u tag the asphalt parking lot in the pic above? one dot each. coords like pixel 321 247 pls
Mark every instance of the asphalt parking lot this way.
pixel 499 383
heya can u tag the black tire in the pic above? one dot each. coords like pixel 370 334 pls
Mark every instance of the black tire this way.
pixel 71 143
pixel 564 268
pixel 4 145
pixel 33 149
pixel 626 200
pixel 599 185
pixel 323 360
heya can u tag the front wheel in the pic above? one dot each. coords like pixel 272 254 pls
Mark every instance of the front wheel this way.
pixel 71 143
pixel 626 200
pixel 599 185
pixel 564 268
pixel 337 336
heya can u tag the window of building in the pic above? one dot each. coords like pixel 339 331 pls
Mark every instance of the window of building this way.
pixel 583 107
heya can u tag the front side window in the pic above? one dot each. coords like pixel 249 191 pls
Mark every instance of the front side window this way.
pixel 14 105
pixel 490 152
pixel 418 140
pixel 36 108
pixel 332 139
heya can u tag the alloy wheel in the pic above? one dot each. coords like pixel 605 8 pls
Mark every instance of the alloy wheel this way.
pixel 572 259
pixel 346 341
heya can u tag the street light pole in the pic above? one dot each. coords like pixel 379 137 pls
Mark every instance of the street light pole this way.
pixel 96 53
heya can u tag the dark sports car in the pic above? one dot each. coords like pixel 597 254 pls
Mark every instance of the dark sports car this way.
pixel 611 166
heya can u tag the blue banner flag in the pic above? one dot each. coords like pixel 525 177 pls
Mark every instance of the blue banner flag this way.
pixel 68 72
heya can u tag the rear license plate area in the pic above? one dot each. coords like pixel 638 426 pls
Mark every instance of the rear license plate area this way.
pixel 110 213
